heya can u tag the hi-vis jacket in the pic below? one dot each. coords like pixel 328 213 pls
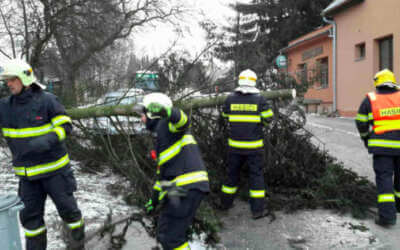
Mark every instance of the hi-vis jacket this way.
pixel 178 155
pixel 378 121
pixel 35 125
pixel 246 114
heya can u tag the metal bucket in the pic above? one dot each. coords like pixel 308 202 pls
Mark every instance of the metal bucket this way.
pixel 9 228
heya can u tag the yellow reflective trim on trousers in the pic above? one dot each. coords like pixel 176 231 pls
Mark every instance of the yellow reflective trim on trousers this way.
pixel 224 114
pixel 257 193
pixel 184 246
pixel 60 119
pixel 42 168
pixel 228 190
pixel 385 198
pixel 397 193
pixel 383 143
pixel 362 118
pixel 370 116
pixel 76 224
pixel 244 118
pixel 246 144
pixel 190 178
pixel 175 149
pixel 267 114
pixel 60 131
pixel 36 232
pixel 27 132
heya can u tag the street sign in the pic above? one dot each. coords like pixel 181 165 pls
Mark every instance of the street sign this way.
pixel 281 61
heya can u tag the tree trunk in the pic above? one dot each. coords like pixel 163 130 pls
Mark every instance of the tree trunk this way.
pixel 205 102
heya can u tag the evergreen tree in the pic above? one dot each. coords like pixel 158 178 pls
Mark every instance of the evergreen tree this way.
pixel 263 27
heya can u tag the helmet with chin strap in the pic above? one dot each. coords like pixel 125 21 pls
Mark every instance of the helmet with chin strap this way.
pixel 20 69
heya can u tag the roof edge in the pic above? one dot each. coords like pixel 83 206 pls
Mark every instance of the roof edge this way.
pixel 330 11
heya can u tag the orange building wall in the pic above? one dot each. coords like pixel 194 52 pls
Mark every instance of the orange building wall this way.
pixel 295 58
pixel 364 22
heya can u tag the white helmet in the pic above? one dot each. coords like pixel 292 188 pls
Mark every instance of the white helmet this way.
pixel 247 78
pixel 21 69
pixel 156 98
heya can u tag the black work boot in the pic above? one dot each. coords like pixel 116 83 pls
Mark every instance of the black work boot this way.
pixel 226 202
pixel 384 222
pixel 74 239
pixel 259 214
pixel 38 242
pixel 397 199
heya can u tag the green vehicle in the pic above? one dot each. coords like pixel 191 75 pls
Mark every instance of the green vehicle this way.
pixel 146 80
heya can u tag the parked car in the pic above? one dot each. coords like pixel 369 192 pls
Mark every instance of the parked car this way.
pixel 119 124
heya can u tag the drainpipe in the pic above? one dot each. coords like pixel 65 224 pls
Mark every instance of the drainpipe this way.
pixel 333 60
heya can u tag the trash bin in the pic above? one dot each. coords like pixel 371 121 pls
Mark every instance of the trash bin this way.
pixel 9 228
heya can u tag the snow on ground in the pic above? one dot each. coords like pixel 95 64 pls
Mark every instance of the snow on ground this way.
pixel 94 200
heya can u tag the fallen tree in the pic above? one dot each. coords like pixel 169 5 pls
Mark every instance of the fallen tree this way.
pixel 298 174
pixel 205 102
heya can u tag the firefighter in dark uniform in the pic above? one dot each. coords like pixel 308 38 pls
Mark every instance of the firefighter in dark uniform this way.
pixel 35 126
pixel 182 177
pixel 378 122
pixel 247 111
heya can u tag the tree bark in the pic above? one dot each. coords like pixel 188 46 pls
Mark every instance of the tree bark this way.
pixel 204 102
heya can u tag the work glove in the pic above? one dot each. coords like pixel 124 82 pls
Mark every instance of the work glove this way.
pixel 43 143
pixel 158 110
pixel 151 205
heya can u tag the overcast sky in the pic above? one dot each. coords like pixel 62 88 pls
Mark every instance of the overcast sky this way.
pixel 157 40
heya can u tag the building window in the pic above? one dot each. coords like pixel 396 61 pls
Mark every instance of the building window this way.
pixel 322 72
pixel 302 72
pixel 360 51
pixel 386 53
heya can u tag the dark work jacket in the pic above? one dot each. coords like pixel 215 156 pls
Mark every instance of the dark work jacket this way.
pixel 237 108
pixel 177 151
pixel 34 124
pixel 364 123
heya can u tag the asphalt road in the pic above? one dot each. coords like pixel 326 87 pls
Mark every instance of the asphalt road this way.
pixel 314 229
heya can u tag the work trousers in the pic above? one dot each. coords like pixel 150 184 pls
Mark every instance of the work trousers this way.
pixel 385 166
pixel 60 188
pixel 175 219
pixel 255 162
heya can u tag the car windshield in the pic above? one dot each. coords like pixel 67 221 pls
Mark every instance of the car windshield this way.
pixel 114 100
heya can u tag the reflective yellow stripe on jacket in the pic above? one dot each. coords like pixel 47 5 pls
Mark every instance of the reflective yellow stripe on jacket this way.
pixel 41 168
pixel 383 143
pixel 175 149
pixel 27 132
pixel 244 118
pixel 386 125
pixel 267 114
pixel 60 120
pixel 246 144
pixel 174 127
pixel 183 180
pixel 191 178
